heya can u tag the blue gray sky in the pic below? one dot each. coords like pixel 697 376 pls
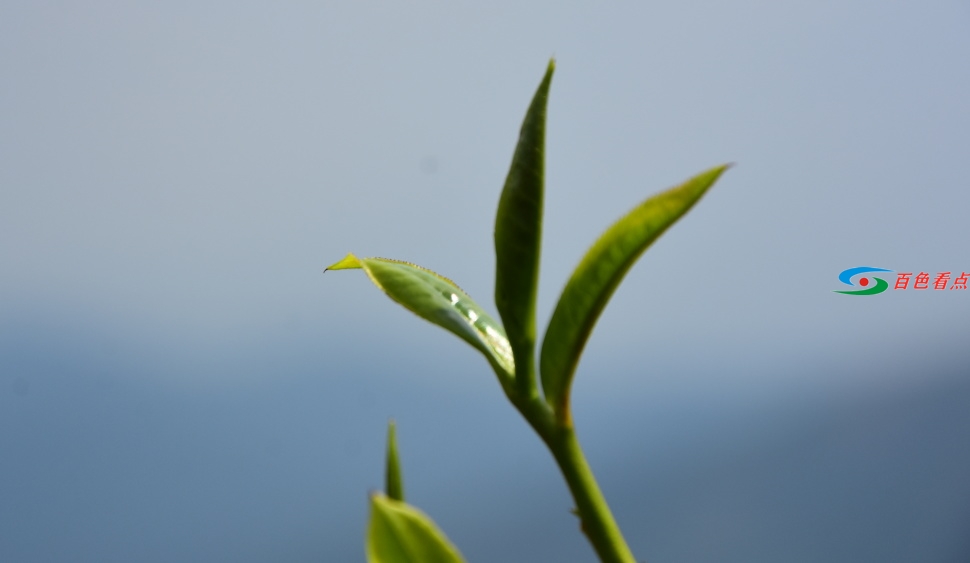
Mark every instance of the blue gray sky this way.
pixel 179 380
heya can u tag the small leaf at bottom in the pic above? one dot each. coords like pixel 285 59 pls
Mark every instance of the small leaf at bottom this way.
pixel 399 533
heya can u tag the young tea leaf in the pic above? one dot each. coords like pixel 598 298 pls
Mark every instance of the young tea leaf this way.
pixel 599 274
pixel 399 533
pixel 394 486
pixel 518 232
pixel 437 299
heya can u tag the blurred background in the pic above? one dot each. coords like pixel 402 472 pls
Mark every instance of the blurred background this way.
pixel 180 382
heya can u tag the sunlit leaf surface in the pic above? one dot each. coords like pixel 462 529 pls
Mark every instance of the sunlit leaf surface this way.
pixel 437 299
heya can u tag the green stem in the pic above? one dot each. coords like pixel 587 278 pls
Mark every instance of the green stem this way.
pixel 596 520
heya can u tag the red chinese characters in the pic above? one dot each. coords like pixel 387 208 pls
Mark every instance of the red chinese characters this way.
pixel 939 281
pixel 960 282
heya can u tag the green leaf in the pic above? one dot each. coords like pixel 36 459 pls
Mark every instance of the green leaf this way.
pixel 437 299
pixel 518 233
pixel 394 483
pixel 399 533
pixel 597 277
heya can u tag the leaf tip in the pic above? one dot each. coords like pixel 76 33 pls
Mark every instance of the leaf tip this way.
pixel 547 78
pixel 718 170
pixel 712 175
pixel 348 262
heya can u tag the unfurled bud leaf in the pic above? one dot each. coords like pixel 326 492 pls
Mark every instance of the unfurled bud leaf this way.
pixel 518 234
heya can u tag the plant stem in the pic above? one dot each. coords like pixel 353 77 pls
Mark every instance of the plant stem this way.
pixel 596 520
